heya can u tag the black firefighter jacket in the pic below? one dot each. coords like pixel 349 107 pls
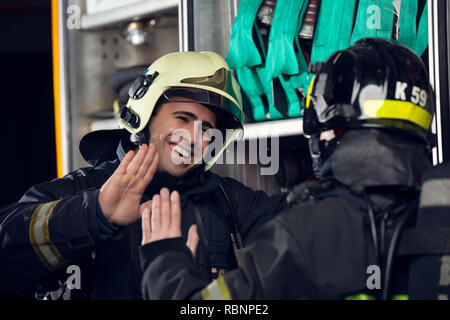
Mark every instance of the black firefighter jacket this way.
pixel 319 248
pixel 55 226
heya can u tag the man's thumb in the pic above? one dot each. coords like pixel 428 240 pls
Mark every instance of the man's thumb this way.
pixel 193 239
pixel 144 205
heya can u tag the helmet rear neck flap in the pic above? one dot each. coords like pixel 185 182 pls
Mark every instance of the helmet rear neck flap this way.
pixel 368 157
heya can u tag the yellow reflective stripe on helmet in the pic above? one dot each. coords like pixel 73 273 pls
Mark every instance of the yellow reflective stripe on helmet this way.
pixel 217 290
pixel 360 296
pixel 40 236
pixel 394 109
pixel 310 89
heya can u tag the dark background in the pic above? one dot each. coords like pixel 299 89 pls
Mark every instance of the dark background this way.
pixel 28 153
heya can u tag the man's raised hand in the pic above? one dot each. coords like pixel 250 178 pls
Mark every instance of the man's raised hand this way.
pixel 164 221
pixel 121 195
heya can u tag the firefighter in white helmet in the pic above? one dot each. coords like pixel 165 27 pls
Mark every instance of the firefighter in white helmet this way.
pixel 90 217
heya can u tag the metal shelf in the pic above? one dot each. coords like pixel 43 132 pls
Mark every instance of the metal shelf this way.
pixel 279 128
pixel 129 12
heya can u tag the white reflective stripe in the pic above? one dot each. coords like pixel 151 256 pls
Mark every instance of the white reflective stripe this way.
pixel 39 233
pixel 217 290
pixel 40 237
pixel 214 291
pixel 435 193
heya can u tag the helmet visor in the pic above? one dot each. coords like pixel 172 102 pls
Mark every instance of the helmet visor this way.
pixel 204 97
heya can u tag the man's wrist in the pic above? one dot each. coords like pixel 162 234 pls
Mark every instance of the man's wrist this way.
pixel 104 224
pixel 152 250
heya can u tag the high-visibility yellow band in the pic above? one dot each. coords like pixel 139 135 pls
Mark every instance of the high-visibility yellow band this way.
pixel 394 109
pixel 40 236
pixel 224 288
pixel 400 297
pixel 363 296
pixel 310 89
pixel 206 295
pixel 217 290
pixel 360 296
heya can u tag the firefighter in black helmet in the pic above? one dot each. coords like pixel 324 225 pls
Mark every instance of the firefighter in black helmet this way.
pixel 368 116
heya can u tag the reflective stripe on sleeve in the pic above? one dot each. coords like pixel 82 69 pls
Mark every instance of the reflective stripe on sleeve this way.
pixel 40 236
pixel 217 290
pixel 435 193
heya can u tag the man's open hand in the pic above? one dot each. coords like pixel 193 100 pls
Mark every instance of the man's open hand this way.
pixel 121 195
pixel 164 222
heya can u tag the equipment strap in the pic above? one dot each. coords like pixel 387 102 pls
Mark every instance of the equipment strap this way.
pixel 203 242
pixel 229 214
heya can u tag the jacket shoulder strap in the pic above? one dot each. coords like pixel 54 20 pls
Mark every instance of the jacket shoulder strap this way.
pixel 230 216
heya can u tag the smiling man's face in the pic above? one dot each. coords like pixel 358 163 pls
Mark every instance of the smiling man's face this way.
pixel 176 153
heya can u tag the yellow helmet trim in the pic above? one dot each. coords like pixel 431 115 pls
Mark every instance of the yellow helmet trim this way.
pixel 310 89
pixel 237 135
pixel 394 109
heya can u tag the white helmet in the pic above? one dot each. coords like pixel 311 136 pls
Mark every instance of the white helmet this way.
pixel 203 77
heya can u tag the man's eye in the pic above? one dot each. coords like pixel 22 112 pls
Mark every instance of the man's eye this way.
pixel 207 134
pixel 184 119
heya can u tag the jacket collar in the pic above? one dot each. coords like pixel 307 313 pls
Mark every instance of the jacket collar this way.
pixel 374 158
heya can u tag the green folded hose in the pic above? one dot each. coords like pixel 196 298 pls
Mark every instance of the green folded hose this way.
pixel 243 52
pixel 275 81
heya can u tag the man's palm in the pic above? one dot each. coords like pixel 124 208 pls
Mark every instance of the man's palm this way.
pixel 121 195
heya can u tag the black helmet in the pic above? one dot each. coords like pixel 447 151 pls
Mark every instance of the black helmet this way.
pixel 375 83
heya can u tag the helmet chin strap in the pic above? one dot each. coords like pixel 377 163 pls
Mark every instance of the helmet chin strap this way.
pixel 139 138
pixel 315 152
pixel 321 147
